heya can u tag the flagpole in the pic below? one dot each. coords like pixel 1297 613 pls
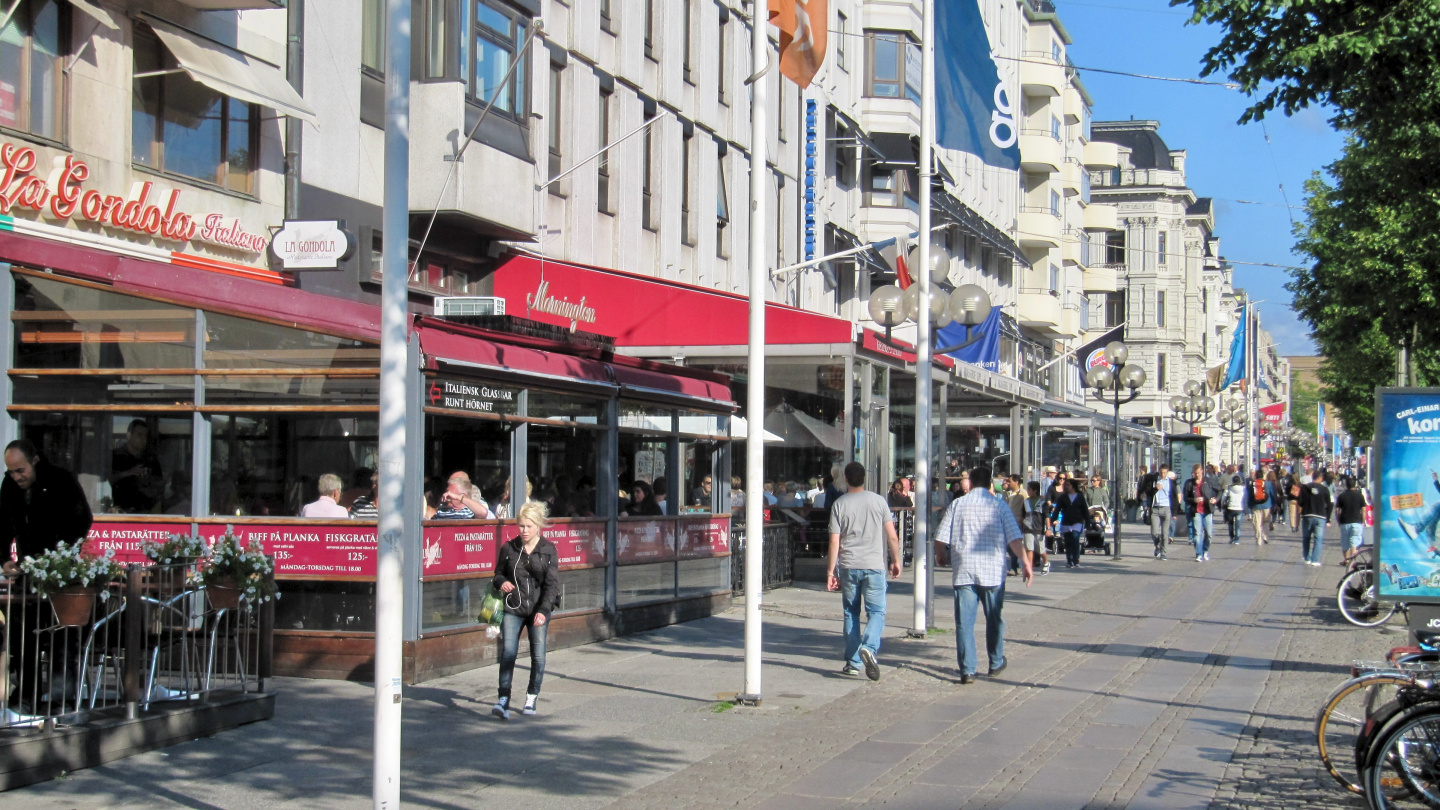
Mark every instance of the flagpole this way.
pixel 920 627
pixel 755 382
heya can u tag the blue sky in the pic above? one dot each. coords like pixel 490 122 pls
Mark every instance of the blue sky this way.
pixel 1224 160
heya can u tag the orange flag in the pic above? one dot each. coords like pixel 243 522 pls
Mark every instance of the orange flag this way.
pixel 803 26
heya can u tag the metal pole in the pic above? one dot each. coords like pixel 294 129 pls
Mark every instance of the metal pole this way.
pixel 755 386
pixel 919 627
pixel 1115 474
pixel 389 579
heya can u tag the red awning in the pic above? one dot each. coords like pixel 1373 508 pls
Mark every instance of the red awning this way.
pixel 445 345
pixel 642 381
pixel 643 311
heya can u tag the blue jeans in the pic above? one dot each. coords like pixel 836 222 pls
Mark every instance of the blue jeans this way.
pixel 1072 546
pixel 1202 528
pixel 1314 533
pixel 862 587
pixel 1232 522
pixel 992 601
pixel 510 648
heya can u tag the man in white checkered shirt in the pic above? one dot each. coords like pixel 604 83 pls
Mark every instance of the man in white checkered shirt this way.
pixel 977 528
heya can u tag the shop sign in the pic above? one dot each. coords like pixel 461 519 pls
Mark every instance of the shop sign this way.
pixel 127 540
pixel 579 544
pixel 63 196
pixel 306 550
pixel 463 395
pixel 319 245
pixel 1145 421
pixel 642 541
pixel 576 312
pixel 704 537
pixel 461 549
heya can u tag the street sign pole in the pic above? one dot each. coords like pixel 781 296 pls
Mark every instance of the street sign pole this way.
pixel 920 626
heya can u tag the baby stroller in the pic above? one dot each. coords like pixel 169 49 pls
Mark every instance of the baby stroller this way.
pixel 1095 530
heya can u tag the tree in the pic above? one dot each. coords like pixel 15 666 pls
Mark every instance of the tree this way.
pixel 1304 397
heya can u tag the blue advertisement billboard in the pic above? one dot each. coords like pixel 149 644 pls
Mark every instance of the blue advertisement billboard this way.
pixel 1407 444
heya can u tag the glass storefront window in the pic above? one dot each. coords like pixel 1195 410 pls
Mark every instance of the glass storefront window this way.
pixel 562 463
pixel 291 390
pixel 700 577
pixel 269 464
pixel 232 342
pixel 645 583
pixel 479 448
pixel 565 408
pixel 126 463
pixel 700 423
pixel 645 417
pixel 450 603
pixel 702 484
pixel 347 606
pixel 131 390
pixel 60 325
pixel 645 461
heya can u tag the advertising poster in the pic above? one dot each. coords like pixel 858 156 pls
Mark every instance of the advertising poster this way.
pixel 465 549
pixel 1407 443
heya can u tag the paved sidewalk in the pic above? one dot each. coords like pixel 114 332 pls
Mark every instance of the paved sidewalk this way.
pixel 1136 683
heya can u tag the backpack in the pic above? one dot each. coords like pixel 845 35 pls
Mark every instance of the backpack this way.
pixel 1257 490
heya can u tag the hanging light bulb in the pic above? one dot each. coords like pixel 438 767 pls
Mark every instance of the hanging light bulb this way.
pixel 887 306
pixel 969 305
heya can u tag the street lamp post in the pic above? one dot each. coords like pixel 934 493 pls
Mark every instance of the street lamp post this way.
pixel 1107 381
pixel 1233 420
pixel 1194 407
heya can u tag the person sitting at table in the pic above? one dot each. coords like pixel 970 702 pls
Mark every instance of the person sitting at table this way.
pixel 642 501
pixel 452 504
pixel 470 495
pixel 360 486
pixel 328 504
pixel 366 506
pixel 136 480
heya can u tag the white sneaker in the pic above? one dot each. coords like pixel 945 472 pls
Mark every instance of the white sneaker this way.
pixel 529 709
pixel 501 710
pixel 1207 556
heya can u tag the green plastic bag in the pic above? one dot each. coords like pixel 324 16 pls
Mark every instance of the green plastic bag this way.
pixel 492 608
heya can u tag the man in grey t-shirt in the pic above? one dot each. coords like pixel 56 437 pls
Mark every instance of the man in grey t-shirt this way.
pixel 860 528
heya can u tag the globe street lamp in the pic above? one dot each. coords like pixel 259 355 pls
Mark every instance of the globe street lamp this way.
pixel 1194 407
pixel 1107 380
pixel 1233 419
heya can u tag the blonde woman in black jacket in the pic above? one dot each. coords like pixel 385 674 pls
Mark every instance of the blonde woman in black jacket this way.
pixel 527 573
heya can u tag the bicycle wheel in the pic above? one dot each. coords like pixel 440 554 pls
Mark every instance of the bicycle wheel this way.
pixel 1409 750
pixel 1383 719
pixel 1359 602
pixel 1342 719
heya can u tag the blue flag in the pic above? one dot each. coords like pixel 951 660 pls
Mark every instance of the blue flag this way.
pixel 973 112
pixel 984 352
pixel 1236 371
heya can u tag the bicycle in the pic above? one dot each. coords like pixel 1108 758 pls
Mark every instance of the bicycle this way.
pixel 1345 723
pixel 1404 761
pixel 1358 597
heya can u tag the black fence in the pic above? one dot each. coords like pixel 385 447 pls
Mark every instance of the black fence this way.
pixel 156 639
pixel 779 551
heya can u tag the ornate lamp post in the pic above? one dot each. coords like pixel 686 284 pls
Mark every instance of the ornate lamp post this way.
pixel 1194 407
pixel 1107 381
pixel 1233 420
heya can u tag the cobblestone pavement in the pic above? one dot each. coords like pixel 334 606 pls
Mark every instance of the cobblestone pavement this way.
pixel 1136 683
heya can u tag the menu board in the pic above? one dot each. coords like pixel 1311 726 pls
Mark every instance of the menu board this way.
pixel 127 540
pixel 643 541
pixel 704 537
pixel 308 550
pixel 580 544
pixel 459 550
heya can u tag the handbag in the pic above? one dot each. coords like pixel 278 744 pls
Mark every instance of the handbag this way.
pixel 492 608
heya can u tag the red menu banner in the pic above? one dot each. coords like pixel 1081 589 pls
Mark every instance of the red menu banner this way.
pixel 704 537
pixel 460 550
pixel 128 539
pixel 578 544
pixel 642 541
pixel 305 550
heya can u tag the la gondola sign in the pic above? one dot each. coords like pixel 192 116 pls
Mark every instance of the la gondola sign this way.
pixel 312 245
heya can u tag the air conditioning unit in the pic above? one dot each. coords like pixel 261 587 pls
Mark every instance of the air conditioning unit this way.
pixel 456 305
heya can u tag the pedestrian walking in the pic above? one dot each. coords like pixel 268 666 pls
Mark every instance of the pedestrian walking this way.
pixel 1015 499
pixel 861 528
pixel 1315 511
pixel 1257 500
pixel 1201 499
pixel 1073 511
pixel 1292 501
pixel 1234 508
pixel 1162 508
pixel 978 528
pixel 1350 512
pixel 1276 491
pixel 527 572
pixel 1034 528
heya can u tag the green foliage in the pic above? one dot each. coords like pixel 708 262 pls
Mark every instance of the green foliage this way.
pixel 67 564
pixel 1303 398
pixel 246 567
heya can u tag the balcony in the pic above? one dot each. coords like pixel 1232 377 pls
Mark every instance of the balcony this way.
pixel 1040 151
pixel 1102 155
pixel 1074 106
pixel 1100 217
pixel 1072 176
pixel 1071 321
pixel 1102 278
pixel 1039 227
pixel 1039 310
pixel 1072 247
pixel 1041 75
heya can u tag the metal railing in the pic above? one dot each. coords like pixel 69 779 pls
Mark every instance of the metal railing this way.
pixel 155 638
pixel 779 551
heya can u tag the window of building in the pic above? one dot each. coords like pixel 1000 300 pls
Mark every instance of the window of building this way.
pixel 1162 379
pixel 497 36
pixel 1161 247
pixel 686 28
pixel 894 70
pixel 722 205
pixel 780 84
pixel 1055 50
pixel 1054 279
pixel 32 82
pixel 606 24
pixel 687 185
pixel 1114 309
pixel 648 10
pixel 1055 127
pixel 888 187
pixel 1054 203
pixel 372 36
pixel 437 45
pixel 780 220
pixel 842 30
pixel 1115 177
pixel 554 125
pixel 647 175
pixel 722 45
pixel 844 170
pixel 1160 308
pixel 181 127
pixel 1084 313
pixel 602 165
pixel 1115 247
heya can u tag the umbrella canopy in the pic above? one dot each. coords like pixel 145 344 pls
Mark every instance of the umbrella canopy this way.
pixel 740 429
pixel 801 430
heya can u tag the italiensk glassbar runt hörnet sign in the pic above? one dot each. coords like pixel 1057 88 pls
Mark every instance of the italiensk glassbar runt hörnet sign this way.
pixel 468 395
pixel 1407 446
